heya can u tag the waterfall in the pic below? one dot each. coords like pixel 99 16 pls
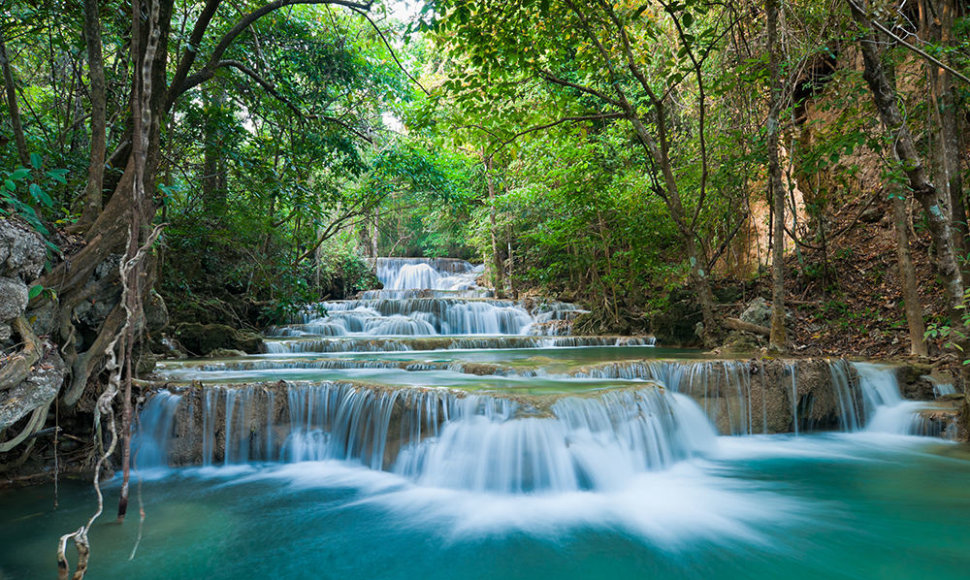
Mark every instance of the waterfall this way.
pixel 411 316
pixel 445 438
pixel 792 371
pixel 852 396
pixel 398 344
pixel 422 298
pixel 153 432
pixel 885 409
pixel 587 443
pixel 427 274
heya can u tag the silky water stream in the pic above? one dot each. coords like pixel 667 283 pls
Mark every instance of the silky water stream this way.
pixel 429 431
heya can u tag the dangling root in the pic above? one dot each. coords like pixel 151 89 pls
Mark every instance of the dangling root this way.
pixel 80 535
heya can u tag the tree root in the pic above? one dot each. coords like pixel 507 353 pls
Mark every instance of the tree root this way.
pixel 35 423
pixel 17 368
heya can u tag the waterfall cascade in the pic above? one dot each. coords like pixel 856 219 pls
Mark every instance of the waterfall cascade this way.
pixel 436 437
pixel 437 382
pixel 422 298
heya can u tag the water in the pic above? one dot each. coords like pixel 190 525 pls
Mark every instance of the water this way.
pixel 816 507
pixel 390 438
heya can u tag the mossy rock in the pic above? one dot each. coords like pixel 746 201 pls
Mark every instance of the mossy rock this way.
pixel 226 353
pixel 676 325
pixel 741 343
pixel 203 339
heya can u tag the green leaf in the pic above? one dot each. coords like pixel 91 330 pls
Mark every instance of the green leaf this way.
pixel 58 175
pixel 35 291
pixel 20 174
pixel 10 185
pixel 40 195
pixel 687 19
pixel 36 161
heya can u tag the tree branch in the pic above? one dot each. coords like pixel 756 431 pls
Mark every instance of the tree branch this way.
pixel 271 89
pixel 548 76
pixel 245 22
pixel 391 50
pixel 911 47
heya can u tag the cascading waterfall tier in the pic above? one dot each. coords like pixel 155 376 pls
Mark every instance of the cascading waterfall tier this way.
pixel 422 297
pixel 427 274
pixel 436 437
pixel 313 344
pixel 738 397
pixel 748 397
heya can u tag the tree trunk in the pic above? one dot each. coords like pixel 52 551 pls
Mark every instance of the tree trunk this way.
pixel 914 308
pixel 214 194
pixel 93 191
pixel 935 205
pixel 951 133
pixel 778 339
pixel 498 268
pixel 375 236
pixel 698 277
pixel 11 94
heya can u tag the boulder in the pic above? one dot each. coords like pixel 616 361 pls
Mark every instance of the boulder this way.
pixel 226 353
pixel 757 312
pixel 38 390
pixel 13 298
pixel 156 312
pixel 202 339
pixel 22 251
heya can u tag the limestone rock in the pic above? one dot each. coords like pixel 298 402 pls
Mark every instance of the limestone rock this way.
pixel 226 353
pixel 39 389
pixel 43 317
pixel 13 298
pixel 22 251
pixel 146 364
pixel 757 312
pixel 156 312
pixel 202 339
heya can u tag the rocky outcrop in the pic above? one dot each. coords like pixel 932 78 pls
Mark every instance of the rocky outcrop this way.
pixel 203 339
pixel 22 252
pixel 31 369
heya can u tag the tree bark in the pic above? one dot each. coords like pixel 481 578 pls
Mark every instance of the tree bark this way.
pixel 778 339
pixel 94 190
pixel 11 93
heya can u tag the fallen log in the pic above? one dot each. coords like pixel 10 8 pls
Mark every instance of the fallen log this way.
pixel 738 324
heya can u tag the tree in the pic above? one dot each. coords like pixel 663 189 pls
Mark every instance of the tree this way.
pixel 777 339
pixel 936 204
pixel 593 58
